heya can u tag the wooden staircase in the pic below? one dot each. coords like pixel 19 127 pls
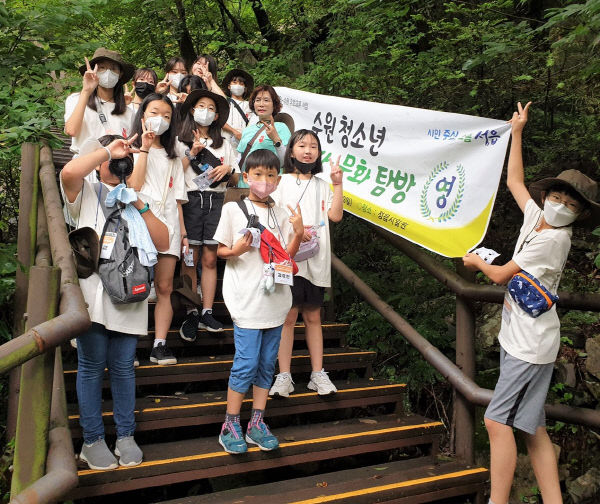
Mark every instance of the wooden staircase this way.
pixel 356 446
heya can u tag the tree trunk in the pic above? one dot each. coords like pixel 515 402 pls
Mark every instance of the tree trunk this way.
pixel 267 30
pixel 236 25
pixel 186 45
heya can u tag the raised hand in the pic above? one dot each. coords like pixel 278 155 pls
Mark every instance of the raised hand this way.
pixel 296 220
pixel 121 147
pixel 163 86
pixel 148 136
pixel 337 175
pixel 90 78
pixel 128 94
pixel 199 143
pixel 519 118
pixel 271 130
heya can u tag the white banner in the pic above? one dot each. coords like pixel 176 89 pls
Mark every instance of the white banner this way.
pixel 430 177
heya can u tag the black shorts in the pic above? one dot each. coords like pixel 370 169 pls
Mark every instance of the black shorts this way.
pixel 305 293
pixel 201 216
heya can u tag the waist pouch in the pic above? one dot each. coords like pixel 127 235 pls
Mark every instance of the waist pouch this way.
pixel 531 296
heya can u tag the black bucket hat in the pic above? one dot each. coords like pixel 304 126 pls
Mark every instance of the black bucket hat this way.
pixel 86 249
pixel 584 186
pixel 286 119
pixel 101 53
pixel 238 72
pixel 220 102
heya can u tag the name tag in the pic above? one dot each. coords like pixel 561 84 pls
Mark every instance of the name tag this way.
pixel 506 312
pixel 108 243
pixel 284 274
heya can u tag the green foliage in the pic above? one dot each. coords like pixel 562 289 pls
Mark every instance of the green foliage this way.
pixel 8 267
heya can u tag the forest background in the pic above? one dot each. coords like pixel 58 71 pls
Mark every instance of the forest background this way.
pixel 471 57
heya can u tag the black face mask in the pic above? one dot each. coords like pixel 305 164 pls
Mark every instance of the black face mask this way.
pixel 143 89
pixel 304 167
pixel 122 168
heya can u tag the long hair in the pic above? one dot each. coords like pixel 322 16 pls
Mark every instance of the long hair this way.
pixel 212 64
pixel 288 164
pixel 167 139
pixel 118 97
pixel 187 125
pixel 140 72
pixel 172 62
pixel 193 81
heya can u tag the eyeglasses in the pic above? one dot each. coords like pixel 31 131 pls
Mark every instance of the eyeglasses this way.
pixel 570 204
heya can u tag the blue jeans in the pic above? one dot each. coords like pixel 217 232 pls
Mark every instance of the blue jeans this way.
pixel 254 359
pixel 99 348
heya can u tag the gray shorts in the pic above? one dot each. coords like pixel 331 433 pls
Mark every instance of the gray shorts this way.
pixel 520 393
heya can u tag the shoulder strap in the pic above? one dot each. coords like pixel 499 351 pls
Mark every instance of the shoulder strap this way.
pixel 249 146
pixel 239 109
pixel 101 201
pixel 243 207
pixel 101 115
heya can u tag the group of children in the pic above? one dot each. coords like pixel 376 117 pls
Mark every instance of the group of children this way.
pixel 189 141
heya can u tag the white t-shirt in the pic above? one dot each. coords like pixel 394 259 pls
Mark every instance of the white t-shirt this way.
pixel 543 255
pixel 235 119
pixel 249 306
pixel 164 183
pixel 92 127
pixel 125 318
pixel 226 153
pixel 315 198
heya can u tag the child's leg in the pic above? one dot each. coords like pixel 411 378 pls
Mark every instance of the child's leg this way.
pixel 286 345
pixel 314 336
pixel 503 459
pixel 191 270
pixel 545 466
pixel 208 282
pixel 163 282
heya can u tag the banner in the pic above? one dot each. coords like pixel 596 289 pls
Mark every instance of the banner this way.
pixel 430 177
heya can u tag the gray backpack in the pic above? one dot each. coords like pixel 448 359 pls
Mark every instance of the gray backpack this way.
pixel 124 277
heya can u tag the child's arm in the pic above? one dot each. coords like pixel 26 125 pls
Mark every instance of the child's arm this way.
pixel 243 245
pixel 336 211
pixel 296 222
pixel 90 82
pixel 515 179
pixel 497 274
pixel 157 228
pixel 139 168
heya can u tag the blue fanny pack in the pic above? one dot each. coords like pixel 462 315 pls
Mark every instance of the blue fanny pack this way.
pixel 531 296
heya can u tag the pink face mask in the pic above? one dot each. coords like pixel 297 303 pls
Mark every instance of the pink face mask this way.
pixel 261 188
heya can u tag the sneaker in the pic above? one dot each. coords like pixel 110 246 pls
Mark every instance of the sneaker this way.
pixel 261 436
pixel 74 342
pixel 320 382
pixel 189 329
pixel 136 361
pixel 152 297
pixel 162 356
pixel 128 451
pixel 233 441
pixel 98 456
pixel 208 322
pixel 283 385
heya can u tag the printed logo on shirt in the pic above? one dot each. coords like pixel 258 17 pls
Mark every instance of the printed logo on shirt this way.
pixel 222 159
pixel 170 182
pixel 137 289
pixel 262 137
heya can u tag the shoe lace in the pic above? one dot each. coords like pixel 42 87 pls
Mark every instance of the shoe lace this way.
pixel 283 377
pixel 321 377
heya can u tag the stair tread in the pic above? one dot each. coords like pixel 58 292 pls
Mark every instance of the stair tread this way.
pixel 198 456
pixel 366 484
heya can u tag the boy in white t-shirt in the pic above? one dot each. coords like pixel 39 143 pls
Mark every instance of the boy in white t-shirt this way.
pixel 257 313
pixel 529 345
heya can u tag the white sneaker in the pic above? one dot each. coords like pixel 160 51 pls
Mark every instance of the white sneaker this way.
pixel 152 297
pixel 283 385
pixel 320 382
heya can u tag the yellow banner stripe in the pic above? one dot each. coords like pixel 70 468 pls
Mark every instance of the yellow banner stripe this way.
pixel 391 486
pixel 327 439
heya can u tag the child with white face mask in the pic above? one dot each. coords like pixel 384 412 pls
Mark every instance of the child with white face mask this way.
pixel 175 71
pixel 158 172
pixel 529 345
pixel 201 143
pixel 99 108
pixel 238 86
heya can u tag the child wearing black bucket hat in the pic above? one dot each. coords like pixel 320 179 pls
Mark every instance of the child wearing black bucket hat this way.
pixel 530 343
pixel 238 86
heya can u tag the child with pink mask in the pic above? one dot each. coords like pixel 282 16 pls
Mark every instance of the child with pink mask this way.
pixel 258 312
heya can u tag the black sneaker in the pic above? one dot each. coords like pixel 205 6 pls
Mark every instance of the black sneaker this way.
pixel 189 328
pixel 208 322
pixel 162 356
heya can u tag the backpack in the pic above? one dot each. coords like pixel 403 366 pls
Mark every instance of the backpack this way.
pixel 124 278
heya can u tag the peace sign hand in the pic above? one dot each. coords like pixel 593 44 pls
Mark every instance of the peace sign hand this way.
pixel 163 86
pixel 519 118
pixel 337 175
pixel 127 94
pixel 90 78
pixel 271 130
pixel 198 144
pixel 296 220
pixel 148 136
pixel 121 147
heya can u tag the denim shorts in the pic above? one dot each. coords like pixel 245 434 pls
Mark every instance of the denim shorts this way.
pixel 255 357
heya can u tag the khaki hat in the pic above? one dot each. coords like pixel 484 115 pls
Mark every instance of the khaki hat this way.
pixel 220 102
pixel 584 186
pixel 238 72
pixel 86 249
pixel 101 53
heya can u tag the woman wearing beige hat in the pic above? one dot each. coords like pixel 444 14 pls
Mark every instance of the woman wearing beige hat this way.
pixel 99 108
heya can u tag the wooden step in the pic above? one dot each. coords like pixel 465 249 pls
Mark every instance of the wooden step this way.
pixel 208 408
pixel 406 481
pixel 196 369
pixel 192 459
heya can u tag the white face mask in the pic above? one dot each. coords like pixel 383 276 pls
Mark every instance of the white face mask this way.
pixel 108 79
pixel 557 214
pixel 203 116
pixel 237 89
pixel 175 79
pixel 157 124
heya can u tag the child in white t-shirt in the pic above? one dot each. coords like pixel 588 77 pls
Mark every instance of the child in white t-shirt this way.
pixel 257 308
pixel 300 186
pixel 238 86
pixel 529 345
pixel 158 172
pixel 202 116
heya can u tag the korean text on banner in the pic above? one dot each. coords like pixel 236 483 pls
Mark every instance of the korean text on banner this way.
pixel 430 177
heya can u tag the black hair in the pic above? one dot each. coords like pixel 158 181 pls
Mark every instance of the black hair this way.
pixel 262 157
pixel 105 141
pixel 187 125
pixel 167 139
pixel 569 191
pixel 118 98
pixel 239 77
pixel 288 164
pixel 193 81
pixel 172 62
pixel 143 71
pixel 212 64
